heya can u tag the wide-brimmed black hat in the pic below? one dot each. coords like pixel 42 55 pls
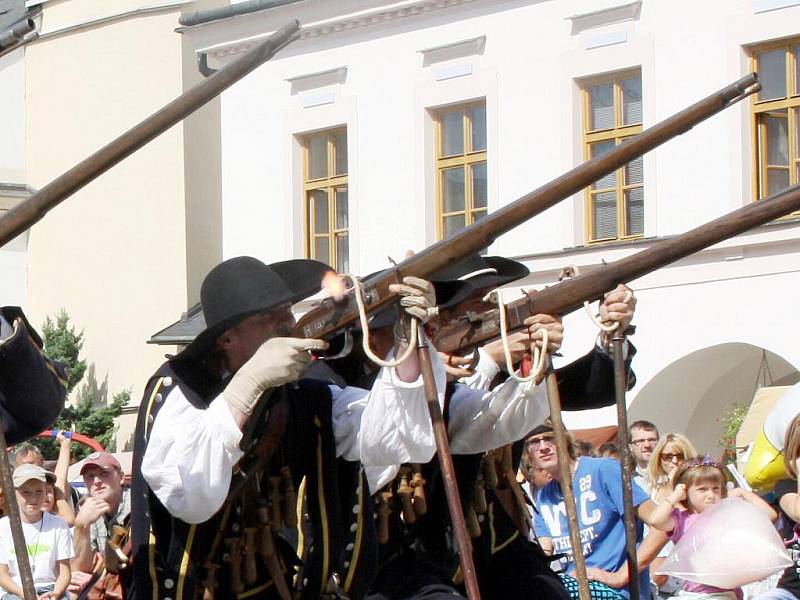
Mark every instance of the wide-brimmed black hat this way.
pixel 475 273
pixel 244 286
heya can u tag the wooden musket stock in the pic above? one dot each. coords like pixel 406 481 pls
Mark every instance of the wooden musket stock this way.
pixel 474 330
pixel 329 317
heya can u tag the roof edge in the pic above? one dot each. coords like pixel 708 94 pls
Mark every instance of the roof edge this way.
pixel 233 10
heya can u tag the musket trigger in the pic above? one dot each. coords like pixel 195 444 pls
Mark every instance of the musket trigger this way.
pixel 347 347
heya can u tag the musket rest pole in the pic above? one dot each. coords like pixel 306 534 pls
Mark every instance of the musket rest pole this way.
pixel 20 547
pixel 620 387
pixel 565 474
pixel 448 471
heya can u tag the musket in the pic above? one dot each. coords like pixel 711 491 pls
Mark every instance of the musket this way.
pixel 27 213
pixel 332 316
pixel 473 330
pixel 336 314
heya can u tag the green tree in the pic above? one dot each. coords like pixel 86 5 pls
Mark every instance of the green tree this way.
pixel 731 419
pixel 91 415
pixel 93 419
pixel 63 344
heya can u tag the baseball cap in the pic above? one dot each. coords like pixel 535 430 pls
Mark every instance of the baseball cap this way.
pixel 27 472
pixel 104 460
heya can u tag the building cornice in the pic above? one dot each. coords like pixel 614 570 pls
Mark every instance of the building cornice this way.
pixel 781 235
pixel 606 16
pixel 339 24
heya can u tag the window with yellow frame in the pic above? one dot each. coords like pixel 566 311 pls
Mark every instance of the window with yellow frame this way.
pixel 612 112
pixel 775 113
pixel 461 190
pixel 325 198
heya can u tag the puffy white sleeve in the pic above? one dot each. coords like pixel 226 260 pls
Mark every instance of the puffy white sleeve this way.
pixel 485 372
pixel 387 426
pixel 190 456
pixel 481 421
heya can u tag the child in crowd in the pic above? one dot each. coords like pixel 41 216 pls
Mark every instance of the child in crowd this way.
pixel 699 484
pixel 47 538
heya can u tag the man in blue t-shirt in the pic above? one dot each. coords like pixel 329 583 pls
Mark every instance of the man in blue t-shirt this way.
pixel 597 485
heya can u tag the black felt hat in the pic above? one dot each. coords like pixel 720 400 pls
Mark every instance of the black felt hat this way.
pixel 244 286
pixel 475 273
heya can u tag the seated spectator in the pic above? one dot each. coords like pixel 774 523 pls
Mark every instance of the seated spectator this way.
pixel 609 450
pixel 535 479
pixel 47 538
pixel 700 483
pixel 644 437
pixel 583 448
pixel 668 454
pixel 105 507
pixel 28 454
pixel 598 496
pixel 59 495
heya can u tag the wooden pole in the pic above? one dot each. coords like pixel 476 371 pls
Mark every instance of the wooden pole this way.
pixel 565 468
pixel 620 387
pixel 20 547
pixel 448 471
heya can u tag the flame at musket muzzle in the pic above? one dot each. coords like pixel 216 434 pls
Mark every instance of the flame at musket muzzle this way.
pixel 334 285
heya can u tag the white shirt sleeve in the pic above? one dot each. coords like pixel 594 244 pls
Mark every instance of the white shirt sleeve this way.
pixel 481 421
pixel 5 540
pixel 190 456
pixel 387 426
pixel 485 372
pixel 64 542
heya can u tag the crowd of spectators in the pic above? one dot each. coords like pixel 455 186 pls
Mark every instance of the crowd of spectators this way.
pixel 672 486
pixel 65 533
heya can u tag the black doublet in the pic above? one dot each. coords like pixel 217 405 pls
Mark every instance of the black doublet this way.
pixel 169 554
pixel 507 564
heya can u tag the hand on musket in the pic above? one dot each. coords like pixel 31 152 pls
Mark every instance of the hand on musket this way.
pixel 618 306
pixel 417 301
pixel 519 343
pixel 458 367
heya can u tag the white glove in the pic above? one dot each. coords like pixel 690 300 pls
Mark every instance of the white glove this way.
pixel 418 297
pixel 277 361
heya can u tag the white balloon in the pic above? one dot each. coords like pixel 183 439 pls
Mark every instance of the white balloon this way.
pixel 729 545
pixel 778 419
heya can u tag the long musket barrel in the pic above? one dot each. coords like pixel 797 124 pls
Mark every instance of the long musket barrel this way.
pixel 475 330
pixel 330 317
pixel 32 210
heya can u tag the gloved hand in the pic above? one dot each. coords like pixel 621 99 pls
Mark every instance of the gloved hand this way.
pixel 618 305
pixel 554 327
pixel 277 361
pixel 418 297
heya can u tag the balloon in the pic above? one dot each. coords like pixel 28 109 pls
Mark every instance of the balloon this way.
pixel 765 466
pixel 729 545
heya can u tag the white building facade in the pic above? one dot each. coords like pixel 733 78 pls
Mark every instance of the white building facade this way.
pixel 390 124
